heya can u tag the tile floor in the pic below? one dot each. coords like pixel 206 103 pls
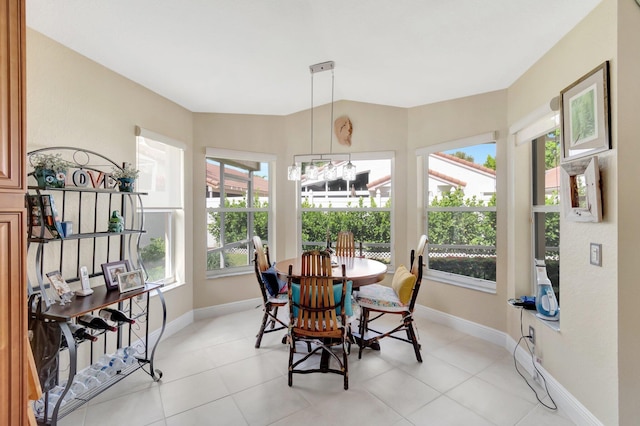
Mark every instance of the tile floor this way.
pixel 213 375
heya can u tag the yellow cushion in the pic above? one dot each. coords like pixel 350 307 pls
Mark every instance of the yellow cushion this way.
pixel 402 283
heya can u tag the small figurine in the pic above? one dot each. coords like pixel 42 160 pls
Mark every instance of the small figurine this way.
pixel 116 222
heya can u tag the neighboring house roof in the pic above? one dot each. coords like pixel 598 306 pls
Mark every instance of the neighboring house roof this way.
pixel 380 182
pixel 449 179
pixel 260 185
pixel 465 163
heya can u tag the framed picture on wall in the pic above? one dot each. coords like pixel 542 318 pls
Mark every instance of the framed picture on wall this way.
pixel 581 197
pixel 585 115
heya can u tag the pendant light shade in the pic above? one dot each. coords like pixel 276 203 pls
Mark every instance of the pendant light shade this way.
pixel 349 171
pixel 312 171
pixel 330 172
pixel 294 172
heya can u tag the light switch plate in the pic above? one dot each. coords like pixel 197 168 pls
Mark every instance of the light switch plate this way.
pixel 595 254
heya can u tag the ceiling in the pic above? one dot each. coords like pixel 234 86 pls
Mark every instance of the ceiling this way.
pixel 253 56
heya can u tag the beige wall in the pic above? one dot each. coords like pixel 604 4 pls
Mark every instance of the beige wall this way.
pixel 443 122
pixel 72 101
pixel 255 133
pixel 627 128
pixel 583 355
pixel 376 128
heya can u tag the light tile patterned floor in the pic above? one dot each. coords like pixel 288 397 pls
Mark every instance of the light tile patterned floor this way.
pixel 213 375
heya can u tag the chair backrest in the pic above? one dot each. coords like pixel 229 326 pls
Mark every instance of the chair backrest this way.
pixel 316 307
pixel 345 245
pixel 262 255
pixel 416 270
pixel 316 262
pixel 260 264
pixel 422 244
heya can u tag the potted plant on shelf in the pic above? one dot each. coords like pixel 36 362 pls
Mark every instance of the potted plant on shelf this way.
pixel 126 177
pixel 50 170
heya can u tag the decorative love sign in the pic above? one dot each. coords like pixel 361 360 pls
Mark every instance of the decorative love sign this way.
pixel 81 178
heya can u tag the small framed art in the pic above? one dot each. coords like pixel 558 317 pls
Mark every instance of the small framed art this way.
pixel 111 271
pixel 585 115
pixel 63 291
pixel 130 281
pixel 581 196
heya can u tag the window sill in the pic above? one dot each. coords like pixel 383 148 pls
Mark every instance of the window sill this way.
pixel 167 288
pixel 554 325
pixel 471 284
pixel 214 276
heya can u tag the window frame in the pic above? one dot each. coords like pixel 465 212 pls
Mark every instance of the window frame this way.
pixel 174 227
pixel 219 154
pixel 458 280
pixel 538 159
pixel 362 156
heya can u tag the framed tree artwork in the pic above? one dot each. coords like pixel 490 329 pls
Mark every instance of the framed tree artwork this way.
pixel 585 115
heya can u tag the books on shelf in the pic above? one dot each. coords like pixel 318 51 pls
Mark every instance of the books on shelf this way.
pixel 43 217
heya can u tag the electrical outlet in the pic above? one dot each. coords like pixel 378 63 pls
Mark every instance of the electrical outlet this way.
pixel 536 377
pixel 532 335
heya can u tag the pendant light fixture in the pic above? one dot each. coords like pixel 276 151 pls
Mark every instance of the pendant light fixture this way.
pixel 330 170
pixel 349 171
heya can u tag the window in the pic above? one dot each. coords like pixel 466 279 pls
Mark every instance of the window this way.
pixel 460 185
pixel 160 161
pixel 362 206
pixel 238 194
pixel 546 205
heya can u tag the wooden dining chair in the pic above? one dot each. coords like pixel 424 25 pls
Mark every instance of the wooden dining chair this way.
pixel 345 245
pixel 377 300
pixel 422 245
pixel 317 318
pixel 270 303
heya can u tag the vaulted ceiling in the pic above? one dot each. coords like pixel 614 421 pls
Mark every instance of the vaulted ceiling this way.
pixel 253 56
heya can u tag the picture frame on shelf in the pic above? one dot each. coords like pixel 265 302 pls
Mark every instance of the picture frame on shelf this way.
pixel 586 119
pixel 129 281
pixel 111 270
pixel 61 287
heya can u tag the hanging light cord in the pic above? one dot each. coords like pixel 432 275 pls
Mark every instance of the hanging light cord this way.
pixel 331 123
pixel 312 113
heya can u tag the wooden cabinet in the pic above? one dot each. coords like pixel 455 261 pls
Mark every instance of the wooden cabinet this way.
pixel 70 227
pixel 13 318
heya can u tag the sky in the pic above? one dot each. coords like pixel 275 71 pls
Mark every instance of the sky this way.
pixel 478 152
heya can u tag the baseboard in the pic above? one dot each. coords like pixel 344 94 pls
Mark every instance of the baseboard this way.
pixel 171 327
pixel 570 406
pixel 577 412
pixel 485 333
pixel 225 309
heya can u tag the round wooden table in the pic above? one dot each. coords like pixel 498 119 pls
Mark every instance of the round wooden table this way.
pixel 359 270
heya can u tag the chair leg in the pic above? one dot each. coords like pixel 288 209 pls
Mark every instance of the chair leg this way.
pixel 345 367
pixel 263 326
pixel 292 346
pixel 362 329
pixel 414 341
pixel 275 314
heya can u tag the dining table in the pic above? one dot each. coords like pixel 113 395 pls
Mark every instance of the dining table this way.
pixel 360 270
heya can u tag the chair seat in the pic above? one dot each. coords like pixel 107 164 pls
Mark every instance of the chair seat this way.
pixel 281 299
pixel 381 298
